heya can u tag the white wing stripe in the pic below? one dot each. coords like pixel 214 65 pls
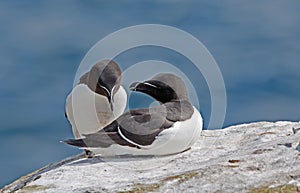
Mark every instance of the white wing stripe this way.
pixel 128 140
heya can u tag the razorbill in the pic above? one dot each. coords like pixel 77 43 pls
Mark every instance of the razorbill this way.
pixel 169 128
pixel 97 99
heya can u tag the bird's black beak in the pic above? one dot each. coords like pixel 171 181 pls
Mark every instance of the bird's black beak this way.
pixel 111 101
pixel 109 96
pixel 147 87
pixel 156 89
pixel 134 86
pixel 143 86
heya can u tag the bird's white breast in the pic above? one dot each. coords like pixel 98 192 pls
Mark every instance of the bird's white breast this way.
pixel 181 136
pixel 89 112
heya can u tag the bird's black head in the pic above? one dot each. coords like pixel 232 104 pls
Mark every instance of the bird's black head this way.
pixel 164 87
pixel 104 78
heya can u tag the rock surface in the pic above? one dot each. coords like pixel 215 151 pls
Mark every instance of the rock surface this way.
pixel 256 157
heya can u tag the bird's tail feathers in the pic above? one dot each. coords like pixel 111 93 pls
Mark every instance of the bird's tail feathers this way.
pixel 75 142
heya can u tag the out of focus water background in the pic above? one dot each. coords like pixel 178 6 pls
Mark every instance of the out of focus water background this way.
pixel 255 43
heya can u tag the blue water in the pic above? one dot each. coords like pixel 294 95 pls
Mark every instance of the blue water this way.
pixel 256 44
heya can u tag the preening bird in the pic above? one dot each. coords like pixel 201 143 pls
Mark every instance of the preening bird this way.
pixel 97 99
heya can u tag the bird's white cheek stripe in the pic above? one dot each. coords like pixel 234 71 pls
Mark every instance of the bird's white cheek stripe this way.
pixel 128 140
pixel 146 83
pixel 112 93
pixel 105 89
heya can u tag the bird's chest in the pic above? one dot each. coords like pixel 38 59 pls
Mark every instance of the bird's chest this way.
pixel 90 110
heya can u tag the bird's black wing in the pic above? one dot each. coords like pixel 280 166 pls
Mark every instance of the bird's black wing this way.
pixel 139 126
pixel 102 138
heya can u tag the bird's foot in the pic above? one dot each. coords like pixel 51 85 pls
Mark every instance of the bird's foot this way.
pixel 89 154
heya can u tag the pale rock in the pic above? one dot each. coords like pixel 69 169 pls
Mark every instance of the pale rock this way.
pixel 254 157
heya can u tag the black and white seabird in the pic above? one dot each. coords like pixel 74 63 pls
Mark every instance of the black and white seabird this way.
pixel 169 128
pixel 97 99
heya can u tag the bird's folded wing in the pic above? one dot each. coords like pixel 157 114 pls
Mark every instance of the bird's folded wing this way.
pixel 99 139
pixel 136 127
pixel 143 125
